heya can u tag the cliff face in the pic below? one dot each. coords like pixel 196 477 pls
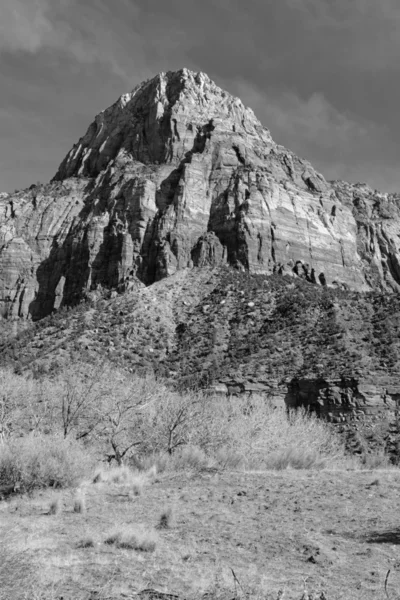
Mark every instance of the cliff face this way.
pixel 176 174
pixel 377 218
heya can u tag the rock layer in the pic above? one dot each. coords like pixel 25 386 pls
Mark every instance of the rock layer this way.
pixel 178 173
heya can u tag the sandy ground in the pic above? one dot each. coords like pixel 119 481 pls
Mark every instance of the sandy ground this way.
pixel 334 532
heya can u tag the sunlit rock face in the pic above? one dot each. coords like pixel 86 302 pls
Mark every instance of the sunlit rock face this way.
pixel 377 217
pixel 179 173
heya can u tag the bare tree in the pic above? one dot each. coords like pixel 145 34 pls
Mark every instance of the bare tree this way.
pixel 80 401
pixel 123 429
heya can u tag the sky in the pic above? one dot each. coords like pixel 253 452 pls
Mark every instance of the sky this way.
pixel 322 75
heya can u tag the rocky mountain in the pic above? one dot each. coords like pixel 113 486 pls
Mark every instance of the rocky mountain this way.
pixel 176 174
pixel 178 237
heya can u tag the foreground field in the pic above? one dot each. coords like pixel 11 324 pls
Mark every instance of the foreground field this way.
pixel 335 532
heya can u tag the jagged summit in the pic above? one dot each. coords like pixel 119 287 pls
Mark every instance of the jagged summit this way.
pixel 178 174
pixel 159 122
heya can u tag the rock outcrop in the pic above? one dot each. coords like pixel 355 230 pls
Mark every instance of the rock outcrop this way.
pixel 377 217
pixel 178 173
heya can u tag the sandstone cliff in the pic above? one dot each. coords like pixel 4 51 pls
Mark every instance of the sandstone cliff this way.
pixel 178 173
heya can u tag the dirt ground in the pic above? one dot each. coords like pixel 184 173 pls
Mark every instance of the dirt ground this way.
pixel 231 535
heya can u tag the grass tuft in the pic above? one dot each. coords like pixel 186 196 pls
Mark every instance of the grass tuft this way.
pixel 152 472
pixel 190 458
pixel 135 490
pixel 165 519
pixel 133 539
pixel 113 538
pixel 119 475
pixel 98 478
pixel 80 502
pixel 124 476
pixel 55 506
pixel 294 458
pixel 87 542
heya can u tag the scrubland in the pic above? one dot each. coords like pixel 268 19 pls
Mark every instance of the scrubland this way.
pixel 113 484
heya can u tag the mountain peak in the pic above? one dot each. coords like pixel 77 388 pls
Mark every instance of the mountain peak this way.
pixel 178 173
pixel 159 121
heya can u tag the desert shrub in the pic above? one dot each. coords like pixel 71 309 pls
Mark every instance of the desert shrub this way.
pixel 120 475
pixel 249 433
pixel 175 421
pixel 227 459
pixel 156 461
pixel 141 421
pixel 266 437
pixel 190 458
pixel 19 406
pixel 294 458
pixel 377 460
pixel 123 475
pixel 197 431
pixel 38 461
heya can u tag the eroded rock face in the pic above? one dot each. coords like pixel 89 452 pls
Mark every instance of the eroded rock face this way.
pixel 344 399
pixel 377 217
pixel 179 173
pixel 37 254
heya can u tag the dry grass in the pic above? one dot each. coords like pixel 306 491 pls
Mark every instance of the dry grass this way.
pixel 152 463
pixel 135 490
pixel 375 461
pixel 18 576
pixel 98 478
pixel 79 502
pixel 86 542
pixel 335 530
pixel 264 436
pixel 131 538
pixel 295 458
pixel 55 506
pixel 40 461
pixel 124 476
pixel 165 520
pixel 152 472
pixel 189 458
pixel 207 432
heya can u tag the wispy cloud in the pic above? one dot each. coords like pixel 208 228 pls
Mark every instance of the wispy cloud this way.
pixel 339 144
pixel 85 35
pixel 367 31
pixel 24 25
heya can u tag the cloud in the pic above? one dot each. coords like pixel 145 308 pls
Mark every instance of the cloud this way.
pixel 326 13
pixel 24 25
pixel 321 74
pixel 86 35
pixel 365 31
pixel 339 144
pixel 313 120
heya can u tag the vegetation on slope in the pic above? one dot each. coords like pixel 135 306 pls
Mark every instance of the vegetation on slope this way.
pixel 204 324
pixel 123 418
pixel 203 328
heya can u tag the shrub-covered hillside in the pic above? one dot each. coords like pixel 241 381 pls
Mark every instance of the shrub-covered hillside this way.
pixel 202 325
